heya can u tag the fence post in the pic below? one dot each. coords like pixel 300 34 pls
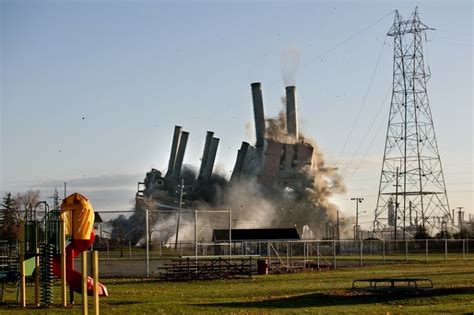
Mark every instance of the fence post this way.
pixel 406 250
pixel 383 250
pixel 360 260
pixel 445 249
pixel 268 251
pixel 464 249
pixel 304 252
pixel 334 254
pixel 147 245
pixel 317 252
pixel 426 250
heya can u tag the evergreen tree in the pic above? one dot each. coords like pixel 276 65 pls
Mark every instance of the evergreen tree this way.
pixel 9 222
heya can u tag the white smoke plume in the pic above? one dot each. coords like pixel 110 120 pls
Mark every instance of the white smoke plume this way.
pixel 290 60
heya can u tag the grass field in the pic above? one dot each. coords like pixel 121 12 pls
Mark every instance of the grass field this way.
pixel 325 291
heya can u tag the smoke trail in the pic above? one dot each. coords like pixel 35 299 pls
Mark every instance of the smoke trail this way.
pixel 290 60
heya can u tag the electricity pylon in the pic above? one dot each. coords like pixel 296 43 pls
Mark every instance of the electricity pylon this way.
pixel 412 191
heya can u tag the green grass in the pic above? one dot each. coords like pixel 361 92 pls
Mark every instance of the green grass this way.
pixel 309 292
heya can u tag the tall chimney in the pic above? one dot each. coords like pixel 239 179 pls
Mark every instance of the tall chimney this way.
pixel 211 157
pixel 174 147
pixel 258 113
pixel 180 156
pixel 205 154
pixel 239 163
pixel 291 113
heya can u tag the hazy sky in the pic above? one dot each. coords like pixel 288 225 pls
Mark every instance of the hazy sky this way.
pixel 91 90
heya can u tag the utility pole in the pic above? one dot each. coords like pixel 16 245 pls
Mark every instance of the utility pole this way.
pixel 460 217
pixel 356 229
pixel 181 193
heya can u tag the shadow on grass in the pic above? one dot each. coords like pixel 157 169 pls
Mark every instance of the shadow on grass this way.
pixel 341 297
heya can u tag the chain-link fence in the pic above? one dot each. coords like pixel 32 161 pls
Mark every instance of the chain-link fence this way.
pixel 283 256
pixel 166 236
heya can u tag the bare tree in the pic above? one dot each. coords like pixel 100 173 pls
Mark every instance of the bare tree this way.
pixel 24 202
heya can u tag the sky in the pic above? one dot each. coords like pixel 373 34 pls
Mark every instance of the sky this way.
pixel 91 90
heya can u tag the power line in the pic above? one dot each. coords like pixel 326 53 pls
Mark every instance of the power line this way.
pixel 364 99
pixel 382 105
pixel 349 38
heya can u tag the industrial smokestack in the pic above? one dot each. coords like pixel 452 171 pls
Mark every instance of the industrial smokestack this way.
pixel 291 112
pixel 239 163
pixel 258 113
pixel 211 157
pixel 174 148
pixel 205 154
pixel 180 156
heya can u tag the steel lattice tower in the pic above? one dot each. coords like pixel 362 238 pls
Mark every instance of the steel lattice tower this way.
pixel 412 190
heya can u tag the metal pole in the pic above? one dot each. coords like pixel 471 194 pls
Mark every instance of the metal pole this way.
pixel 179 213
pixel 230 234
pixel 383 250
pixel 147 245
pixel 356 230
pixel 464 249
pixel 304 252
pixel 317 250
pixel 445 249
pixel 62 229
pixel 334 254
pixel 426 250
pixel 84 283
pixel 406 251
pixel 195 236
pixel 360 260
pixel 95 271
pixel 22 265
pixel 268 251
pixel 37 278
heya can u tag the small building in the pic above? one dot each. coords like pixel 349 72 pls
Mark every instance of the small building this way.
pixel 251 241
pixel 255 235
pixel 98 222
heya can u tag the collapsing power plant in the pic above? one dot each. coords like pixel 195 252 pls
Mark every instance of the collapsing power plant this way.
pixel 279 182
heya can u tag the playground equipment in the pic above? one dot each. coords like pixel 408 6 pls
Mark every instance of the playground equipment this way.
pixel 44 249
pixel 78 217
